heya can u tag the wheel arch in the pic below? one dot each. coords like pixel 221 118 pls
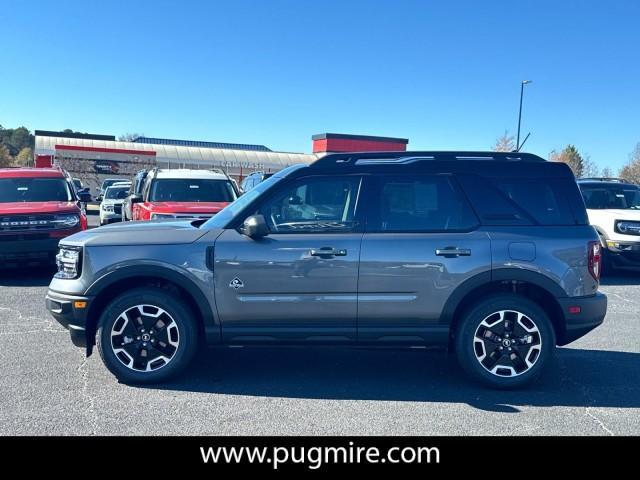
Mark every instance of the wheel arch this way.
pixel 118 281
pixel 532 285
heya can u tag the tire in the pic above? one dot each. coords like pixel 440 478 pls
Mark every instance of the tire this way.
pixel 168 349
pixel 607 265
pixel 493 325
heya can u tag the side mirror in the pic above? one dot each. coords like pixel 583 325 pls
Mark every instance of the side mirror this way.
pixel 255 227
pixel 84 196
pixel 83 190
pixel 136 198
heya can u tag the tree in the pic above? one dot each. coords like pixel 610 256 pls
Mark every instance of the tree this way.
pixel 505 143
pixel 631 171
pixel 590 168
pixel 607 172
pixel 24 157
pixel 571 157
pixel 6 160
pixel 20 138
pixel 130 137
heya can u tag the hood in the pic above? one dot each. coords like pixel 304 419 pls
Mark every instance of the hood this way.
pixel 139 233
pixel 187 207
pixel 613 214
pixel 35 208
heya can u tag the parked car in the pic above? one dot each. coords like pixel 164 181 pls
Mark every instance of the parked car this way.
pixel 183 193
pixel 252 180
pixel 613 206
pixel 38 207
pixel 489 254
pixel 106 184
pixel 134 191
pixel 111 206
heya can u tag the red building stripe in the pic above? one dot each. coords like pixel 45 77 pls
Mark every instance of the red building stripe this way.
pixel 106 150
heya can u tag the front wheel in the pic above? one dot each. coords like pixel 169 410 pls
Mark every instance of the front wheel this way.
pixel 146 335
pixel 505 341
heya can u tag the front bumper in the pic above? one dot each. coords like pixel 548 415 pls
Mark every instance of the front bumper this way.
pixel 592 311
pixel 71 312
pixel 623 254
pixel 25 249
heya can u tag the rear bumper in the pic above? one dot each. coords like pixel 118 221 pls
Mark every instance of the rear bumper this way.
pixel 592 312
pixel 68 314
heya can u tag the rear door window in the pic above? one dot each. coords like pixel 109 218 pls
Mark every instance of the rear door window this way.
pixel 420 203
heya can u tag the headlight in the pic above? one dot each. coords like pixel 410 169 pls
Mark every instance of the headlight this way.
pixel 627 228
pixel 107 208
pixel 68 261
pixel 162 215
pixel 66 221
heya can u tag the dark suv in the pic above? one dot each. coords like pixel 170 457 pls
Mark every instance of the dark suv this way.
pixel 489 254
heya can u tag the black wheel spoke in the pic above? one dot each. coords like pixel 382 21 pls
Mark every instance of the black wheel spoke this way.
pixel 508 337
pixel 145 338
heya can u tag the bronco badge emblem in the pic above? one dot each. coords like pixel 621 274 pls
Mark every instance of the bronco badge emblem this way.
pixel 236 283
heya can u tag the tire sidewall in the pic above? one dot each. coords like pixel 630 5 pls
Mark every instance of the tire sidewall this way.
pixel 477 313
pixel 173 306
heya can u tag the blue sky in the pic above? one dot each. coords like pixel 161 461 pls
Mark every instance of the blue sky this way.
pixel 444 74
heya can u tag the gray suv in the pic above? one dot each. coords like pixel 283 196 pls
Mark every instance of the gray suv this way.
pixel 488 254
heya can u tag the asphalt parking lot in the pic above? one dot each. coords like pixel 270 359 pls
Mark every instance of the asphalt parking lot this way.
pixel 48 387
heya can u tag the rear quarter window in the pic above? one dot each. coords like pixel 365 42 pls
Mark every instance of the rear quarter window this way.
pixel 525 201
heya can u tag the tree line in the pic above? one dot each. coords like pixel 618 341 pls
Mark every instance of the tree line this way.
pixel 581 164
pixel 16 147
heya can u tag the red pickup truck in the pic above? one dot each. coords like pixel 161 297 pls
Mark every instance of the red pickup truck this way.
pixel 38 207
pixel 182 193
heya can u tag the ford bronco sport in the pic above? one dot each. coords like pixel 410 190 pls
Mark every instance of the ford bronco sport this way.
pixel 488 254
pixel 38 207
pixel 613 207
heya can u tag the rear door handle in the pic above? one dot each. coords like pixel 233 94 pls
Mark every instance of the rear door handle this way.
pixel 328 252
pixel 453 252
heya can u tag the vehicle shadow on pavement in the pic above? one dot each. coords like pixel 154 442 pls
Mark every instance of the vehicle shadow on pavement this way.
pixel 26 276
pixel 575 377
pixel 621 278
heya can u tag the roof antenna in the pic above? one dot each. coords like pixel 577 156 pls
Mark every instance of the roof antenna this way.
pixel 523 142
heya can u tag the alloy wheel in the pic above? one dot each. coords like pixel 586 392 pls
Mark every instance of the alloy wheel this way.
pixel 145 338
pixel 507 343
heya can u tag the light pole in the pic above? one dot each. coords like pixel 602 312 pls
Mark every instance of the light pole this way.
pixel 522 84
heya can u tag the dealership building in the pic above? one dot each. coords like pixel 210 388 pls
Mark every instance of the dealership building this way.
pixel 92 158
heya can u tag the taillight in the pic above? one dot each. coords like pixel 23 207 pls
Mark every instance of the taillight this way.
pixel 83 221
pixel 595 259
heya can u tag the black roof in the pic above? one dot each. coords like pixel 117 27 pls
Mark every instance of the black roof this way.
pixel 197 143
pixel 78 135
pixel 614 182
pixel 491 164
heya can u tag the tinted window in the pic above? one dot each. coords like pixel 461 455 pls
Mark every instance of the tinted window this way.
pixel 422 203
pixel 313 205
pixel 543 199
pixel 192 190
pixel 522 201
pixel 34 190
pixel 610 196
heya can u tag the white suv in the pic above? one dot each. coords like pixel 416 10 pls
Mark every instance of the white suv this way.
pixel 613 206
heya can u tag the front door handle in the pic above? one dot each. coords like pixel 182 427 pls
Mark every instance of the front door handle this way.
pixel 453 252
pixel 328 252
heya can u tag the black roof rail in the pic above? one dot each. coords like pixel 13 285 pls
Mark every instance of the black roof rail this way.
pixel 400 158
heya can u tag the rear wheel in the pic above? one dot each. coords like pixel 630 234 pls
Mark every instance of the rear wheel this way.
pixel 146 335
pixel 504 341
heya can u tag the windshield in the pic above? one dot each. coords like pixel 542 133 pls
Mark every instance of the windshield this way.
pixel 224 216
pixel 107 183
pixel 599 197
pixel 34 190
pixel 192 190
pixel 116 193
